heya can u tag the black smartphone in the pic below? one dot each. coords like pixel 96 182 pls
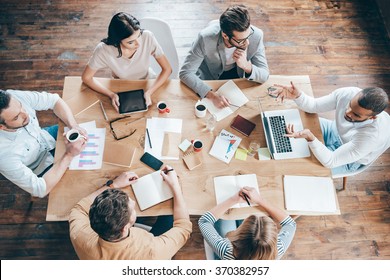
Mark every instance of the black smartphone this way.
pixel 151 161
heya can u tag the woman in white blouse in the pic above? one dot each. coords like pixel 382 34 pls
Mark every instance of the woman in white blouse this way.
pixel 126 52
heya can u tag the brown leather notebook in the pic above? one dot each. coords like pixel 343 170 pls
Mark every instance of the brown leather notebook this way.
pixel 243 125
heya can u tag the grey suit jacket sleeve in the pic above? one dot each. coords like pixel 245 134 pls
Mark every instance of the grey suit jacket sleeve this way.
pixel 191 65
pixel 260 72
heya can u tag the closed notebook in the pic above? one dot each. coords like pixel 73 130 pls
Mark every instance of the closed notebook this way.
pixel 150 190
pixel 243 125
pixel 119 154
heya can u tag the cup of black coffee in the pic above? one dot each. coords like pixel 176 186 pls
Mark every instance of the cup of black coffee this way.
pixel 73 135
pixel 197 144
pixel 200 110
pixel 163 107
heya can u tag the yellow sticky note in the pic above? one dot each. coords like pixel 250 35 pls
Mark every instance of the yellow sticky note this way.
pixel 241 154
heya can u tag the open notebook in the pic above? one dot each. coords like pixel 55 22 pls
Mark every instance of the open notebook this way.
pixel 232 93
pixel 227 186
pixel 150 190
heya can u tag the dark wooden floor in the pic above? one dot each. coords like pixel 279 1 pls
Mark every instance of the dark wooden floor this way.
pixel 337 43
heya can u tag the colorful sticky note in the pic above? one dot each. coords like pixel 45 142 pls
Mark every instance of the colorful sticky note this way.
pixel 241 154
pixel 185 145
pixel 263 154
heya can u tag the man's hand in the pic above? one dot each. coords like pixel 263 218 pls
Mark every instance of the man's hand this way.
pixel 287 92
pixel 239 56
pixel 115 101
pixel 81 130
pixel 218 101
pixel 306 133
pixel 73 149
pixel 170 176
pixel 125 179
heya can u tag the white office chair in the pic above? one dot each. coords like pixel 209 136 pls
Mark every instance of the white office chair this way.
pixel 163 34
pixel 346 175
pixel 359 170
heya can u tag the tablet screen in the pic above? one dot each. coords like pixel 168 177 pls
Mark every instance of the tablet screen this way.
pixel 132 101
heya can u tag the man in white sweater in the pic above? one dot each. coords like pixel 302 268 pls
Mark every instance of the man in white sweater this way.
pixel 360 132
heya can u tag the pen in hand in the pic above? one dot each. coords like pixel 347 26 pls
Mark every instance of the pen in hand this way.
pixel 167 171
pixel 246 198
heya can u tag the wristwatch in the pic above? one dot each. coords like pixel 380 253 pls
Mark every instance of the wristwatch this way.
pixel 109 183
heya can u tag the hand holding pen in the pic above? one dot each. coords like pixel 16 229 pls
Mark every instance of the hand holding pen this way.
pixel 170 176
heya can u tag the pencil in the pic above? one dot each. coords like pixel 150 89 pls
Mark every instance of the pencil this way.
pixel 246 198
pixel 104 112
pixel 150 142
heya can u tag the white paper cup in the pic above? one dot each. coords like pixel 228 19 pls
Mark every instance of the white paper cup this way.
pixel 200 110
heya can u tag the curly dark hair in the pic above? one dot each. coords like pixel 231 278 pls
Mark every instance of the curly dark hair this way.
pixel 109 214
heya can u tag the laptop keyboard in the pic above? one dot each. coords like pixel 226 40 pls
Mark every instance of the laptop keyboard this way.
pixel 278 127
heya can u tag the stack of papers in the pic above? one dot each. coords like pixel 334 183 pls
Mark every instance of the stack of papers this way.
pixel 225 145
pixel 160 128
pixel 92 156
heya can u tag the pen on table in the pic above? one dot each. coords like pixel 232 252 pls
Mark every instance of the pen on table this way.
pixel 167 171
pixel 246 198
pixel 150 142
pixel 230 104
pixel 104 111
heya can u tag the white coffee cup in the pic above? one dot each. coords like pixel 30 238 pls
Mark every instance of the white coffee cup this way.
pixel 73 135
pixel 200 109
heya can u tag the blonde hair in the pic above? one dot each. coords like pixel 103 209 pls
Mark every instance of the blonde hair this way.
pixel 255 239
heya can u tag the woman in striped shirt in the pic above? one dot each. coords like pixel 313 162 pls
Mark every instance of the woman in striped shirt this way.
pixel 256 238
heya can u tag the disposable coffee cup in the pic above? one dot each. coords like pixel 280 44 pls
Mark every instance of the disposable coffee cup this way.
pixel 163 107
pixel 197 144
pixel 73 135
pixel 200 110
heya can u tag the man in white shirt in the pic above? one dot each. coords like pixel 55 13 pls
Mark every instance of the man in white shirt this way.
pixel 360 132
pixel 228 49
pixel 25 147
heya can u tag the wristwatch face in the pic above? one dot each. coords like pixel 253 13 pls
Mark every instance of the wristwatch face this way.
pixel 109 183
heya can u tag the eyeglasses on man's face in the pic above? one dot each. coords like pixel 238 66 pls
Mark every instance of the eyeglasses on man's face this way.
pixel 242 41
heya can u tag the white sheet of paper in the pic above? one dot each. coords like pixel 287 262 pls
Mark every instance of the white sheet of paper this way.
pixel 92 156
pixel 157 127
pixel 308 193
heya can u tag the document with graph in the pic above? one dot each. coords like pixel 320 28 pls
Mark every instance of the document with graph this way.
pixel 92 156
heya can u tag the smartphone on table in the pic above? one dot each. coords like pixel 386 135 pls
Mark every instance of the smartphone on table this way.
pixel 151 161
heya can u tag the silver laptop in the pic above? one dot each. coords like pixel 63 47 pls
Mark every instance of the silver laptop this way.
pixel 279 146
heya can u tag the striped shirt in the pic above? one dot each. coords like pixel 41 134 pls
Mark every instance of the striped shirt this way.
pixel 224 248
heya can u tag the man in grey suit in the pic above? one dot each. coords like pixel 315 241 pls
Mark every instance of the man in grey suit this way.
pixel 229 49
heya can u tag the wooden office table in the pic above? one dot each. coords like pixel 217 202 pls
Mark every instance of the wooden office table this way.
pixel 197 185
